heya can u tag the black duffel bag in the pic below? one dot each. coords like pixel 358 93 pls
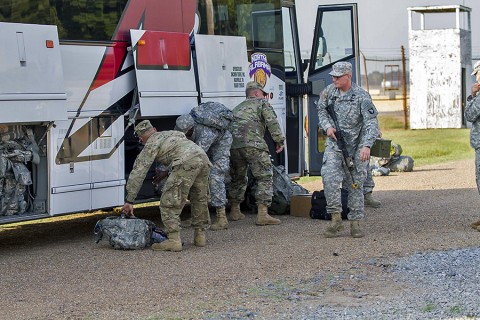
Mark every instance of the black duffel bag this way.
pixel 319 205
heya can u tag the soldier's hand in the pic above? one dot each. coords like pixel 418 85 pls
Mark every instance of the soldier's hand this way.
pixel 331 133
pixel 365 154
pixel 128 209
pixel 475 89
pixel 279 148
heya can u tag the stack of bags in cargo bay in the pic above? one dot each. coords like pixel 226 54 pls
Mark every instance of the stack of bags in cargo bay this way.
pixel 15 177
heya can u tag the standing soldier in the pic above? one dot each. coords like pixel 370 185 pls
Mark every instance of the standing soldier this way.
pixel 249 149
pixel 206 125
pixel 189 169
pixel 368 186
pixel 357 119
pixel 472 114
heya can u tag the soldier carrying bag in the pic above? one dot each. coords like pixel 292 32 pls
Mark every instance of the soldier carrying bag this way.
pixel 212 114
pixel 128 233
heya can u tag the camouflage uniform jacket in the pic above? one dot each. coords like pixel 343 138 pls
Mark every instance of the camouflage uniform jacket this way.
pixel 252 117
pixel 169 148
pixel 472 114
pixel 356 116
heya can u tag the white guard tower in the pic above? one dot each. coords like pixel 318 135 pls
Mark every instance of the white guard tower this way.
pixel 440 67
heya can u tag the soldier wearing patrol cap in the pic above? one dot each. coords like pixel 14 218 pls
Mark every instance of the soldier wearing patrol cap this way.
pixel 189 169
pixel 472 114
pixel 357 118
pixel 249 149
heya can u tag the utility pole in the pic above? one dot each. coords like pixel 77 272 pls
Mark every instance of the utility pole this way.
pixel 366 72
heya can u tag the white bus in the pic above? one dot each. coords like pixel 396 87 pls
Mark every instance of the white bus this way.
pixel 75 76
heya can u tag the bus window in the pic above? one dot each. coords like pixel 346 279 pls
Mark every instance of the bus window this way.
pixel 289 51
pixel 335 38
pixel 236 18
pixel 76 20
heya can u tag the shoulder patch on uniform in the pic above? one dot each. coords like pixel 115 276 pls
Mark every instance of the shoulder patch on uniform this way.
pixel 371 111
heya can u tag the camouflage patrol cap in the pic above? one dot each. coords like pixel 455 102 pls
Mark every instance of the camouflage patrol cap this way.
pixel 341 68
pixel 143 127
pixel 476 68
pixel 255 85
pixel 184 123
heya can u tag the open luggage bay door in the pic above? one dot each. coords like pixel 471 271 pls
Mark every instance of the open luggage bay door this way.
pixel 164 71
pixel 32 88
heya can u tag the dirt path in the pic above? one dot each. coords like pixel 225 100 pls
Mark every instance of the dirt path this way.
pixel 56 271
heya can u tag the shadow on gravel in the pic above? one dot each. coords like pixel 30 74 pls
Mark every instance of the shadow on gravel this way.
pixel 433 169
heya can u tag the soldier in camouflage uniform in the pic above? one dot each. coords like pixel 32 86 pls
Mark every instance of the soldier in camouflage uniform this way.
pixel 368 186
pixel 357 118
pixel 214 138
pixel 249 149
pixel 472 114
pixel 189 169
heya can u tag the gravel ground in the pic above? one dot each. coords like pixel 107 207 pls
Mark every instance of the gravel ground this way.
pixel 419 260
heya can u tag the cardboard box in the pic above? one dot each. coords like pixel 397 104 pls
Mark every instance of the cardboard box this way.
pixel 300 205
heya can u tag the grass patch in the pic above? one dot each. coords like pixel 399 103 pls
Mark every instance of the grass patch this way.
pixel 429 308
pixel 390 122
pixel 434 146
pixel 428 146
pixel 456 310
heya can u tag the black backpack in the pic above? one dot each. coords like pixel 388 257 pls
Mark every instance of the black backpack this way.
pixel 319 205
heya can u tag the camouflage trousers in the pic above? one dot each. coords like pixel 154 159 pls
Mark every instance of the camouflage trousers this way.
pixel 219 155
pixel 477 167
pixel 335 174
pixel 260 165
pixel 218 197
pixel 369 184
pixel 188 180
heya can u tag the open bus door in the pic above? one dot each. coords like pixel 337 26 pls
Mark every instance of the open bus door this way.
pixel 335 39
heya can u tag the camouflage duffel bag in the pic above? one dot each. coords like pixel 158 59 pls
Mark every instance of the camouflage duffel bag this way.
pixel 128 233
pixel 401 164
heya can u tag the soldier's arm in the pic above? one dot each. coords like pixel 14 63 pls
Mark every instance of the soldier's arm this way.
pixel 472 109
pixel 371 129
pixel 140 168
pixel 272 124
pixel 205 136
pixel 324 120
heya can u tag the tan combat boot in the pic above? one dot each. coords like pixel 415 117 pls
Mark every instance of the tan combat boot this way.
pixel 355 230
pixel 263 218
pixel 222 222
pixel 173 243
pixel 199 238
pixel 235 213
pixel 475 225
pixel 334 226
pixel 370 201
